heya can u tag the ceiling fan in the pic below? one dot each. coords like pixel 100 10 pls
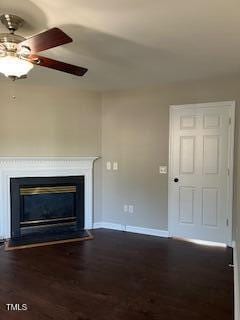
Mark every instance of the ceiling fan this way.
pixel 18 55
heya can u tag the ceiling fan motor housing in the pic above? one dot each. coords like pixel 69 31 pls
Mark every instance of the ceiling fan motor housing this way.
pixel 11 21
pixel 9 41
pixel 9 46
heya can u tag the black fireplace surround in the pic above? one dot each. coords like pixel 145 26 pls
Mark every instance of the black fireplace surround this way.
pixel 46 209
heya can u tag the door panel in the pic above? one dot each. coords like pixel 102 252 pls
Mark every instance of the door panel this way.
pixel 199 158
pixel 212 121
pixel 210 207
pixel 187 155
pixel 186 205
pixel 211 154
pixel 187 122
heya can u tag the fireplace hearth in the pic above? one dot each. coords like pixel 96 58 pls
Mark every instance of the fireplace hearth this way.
pixel 46 209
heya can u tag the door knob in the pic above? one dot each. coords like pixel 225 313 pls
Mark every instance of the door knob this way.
pixel 175 179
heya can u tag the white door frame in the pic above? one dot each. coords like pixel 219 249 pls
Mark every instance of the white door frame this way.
pixel 231 106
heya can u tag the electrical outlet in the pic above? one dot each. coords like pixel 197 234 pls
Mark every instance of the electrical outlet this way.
pixel 130 208
pixel 125 208
pixel 163 169
pixel 108 165
pixel 115 166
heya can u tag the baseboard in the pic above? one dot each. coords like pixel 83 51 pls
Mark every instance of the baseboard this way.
pixel 110 225
pixel 236 282
pixel 121 227
pixel 147 231
pixel 97 225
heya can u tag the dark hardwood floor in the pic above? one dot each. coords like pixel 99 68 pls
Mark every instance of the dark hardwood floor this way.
pixel 118 276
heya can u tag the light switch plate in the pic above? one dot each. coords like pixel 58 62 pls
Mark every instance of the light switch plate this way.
pixel 130 208
pixel 108 165
pixel 125 208
pixel 163 169
pixel 115 166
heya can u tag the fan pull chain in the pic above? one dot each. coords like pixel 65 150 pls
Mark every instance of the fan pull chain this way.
pixel 13 90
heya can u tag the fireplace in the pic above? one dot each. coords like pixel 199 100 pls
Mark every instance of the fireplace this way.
pixel 19 167
pixel 46 208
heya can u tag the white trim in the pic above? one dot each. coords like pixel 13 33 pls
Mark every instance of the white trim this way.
pixel 236 282
pixel 39 159
pixel 231 106
pixel 97 225
pixel 11 167
pixel 133 229
pixel 231 167
pixel 147 231
pixel 109 225
pixel 170 168
pixel 204 104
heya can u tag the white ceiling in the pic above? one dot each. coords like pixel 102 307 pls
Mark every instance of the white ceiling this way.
pixel 135 43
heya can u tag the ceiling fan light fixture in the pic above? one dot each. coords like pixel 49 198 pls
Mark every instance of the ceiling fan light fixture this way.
pixel 12 66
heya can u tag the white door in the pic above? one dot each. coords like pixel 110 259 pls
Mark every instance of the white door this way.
pixel 200 173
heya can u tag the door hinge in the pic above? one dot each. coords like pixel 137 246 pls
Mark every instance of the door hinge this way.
pixel 228 171
pixel 227 223
pixel 230 121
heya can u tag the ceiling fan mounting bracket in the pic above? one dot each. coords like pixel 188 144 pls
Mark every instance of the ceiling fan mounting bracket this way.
pixel 11 22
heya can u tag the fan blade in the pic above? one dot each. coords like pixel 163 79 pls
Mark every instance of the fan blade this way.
pixel 46 40
pixel 58 65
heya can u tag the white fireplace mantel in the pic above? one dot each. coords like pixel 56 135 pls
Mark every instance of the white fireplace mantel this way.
pixel 17 167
